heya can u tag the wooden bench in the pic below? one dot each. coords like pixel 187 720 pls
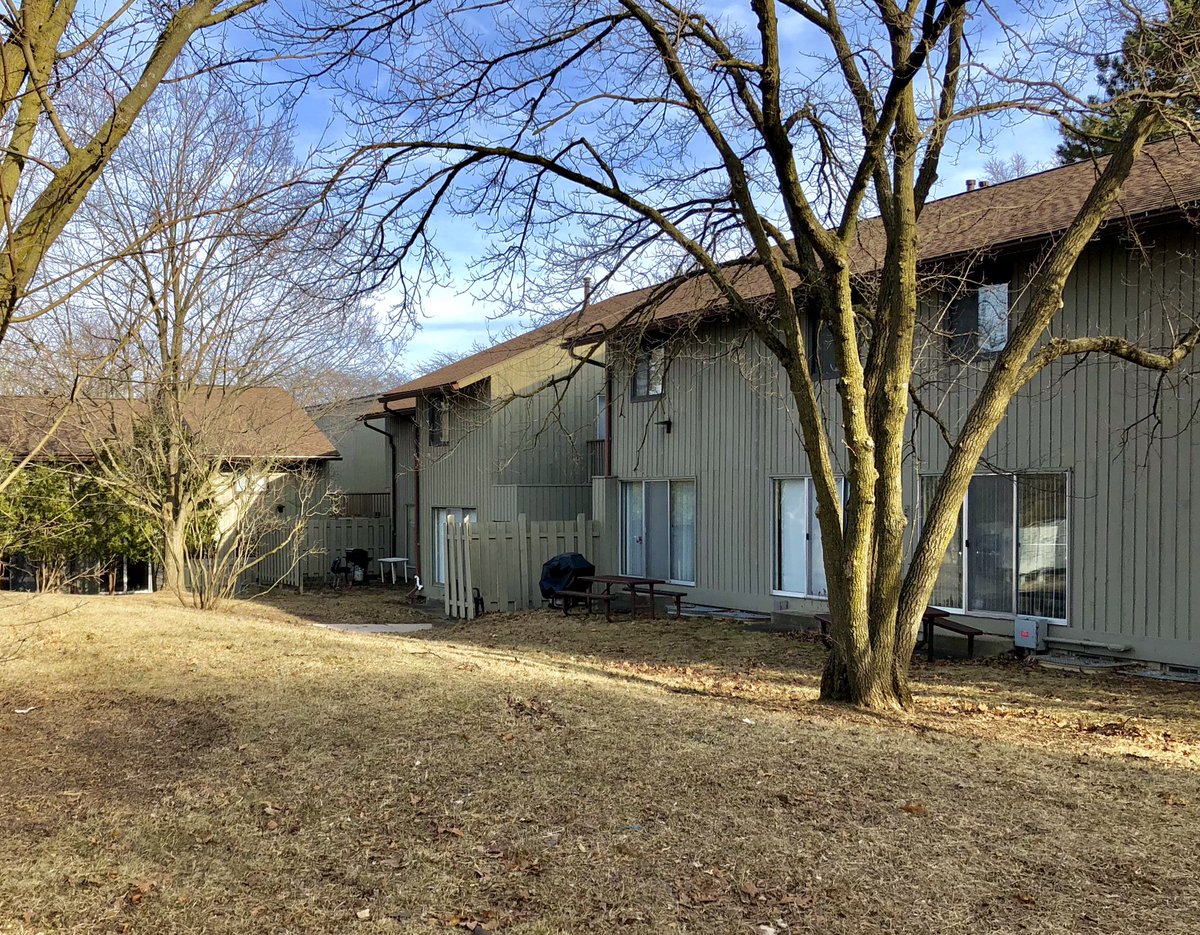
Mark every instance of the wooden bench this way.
pixel 672 595
pixel 953 626
pixel 587 597
pixel 826 621
pixel 933 617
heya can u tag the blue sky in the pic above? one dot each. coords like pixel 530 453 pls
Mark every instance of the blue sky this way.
pixel 454 322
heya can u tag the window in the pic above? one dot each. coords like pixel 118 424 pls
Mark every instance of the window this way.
pixel 1009 551
pixel 649 369
pixel 439 420
pixel 979 321
pixel 659 529
pixel 440 515
pixel 601 417
pixel 799 555
pixel 821 353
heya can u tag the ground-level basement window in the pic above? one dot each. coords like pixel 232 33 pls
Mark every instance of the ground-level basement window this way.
pixel 1009 552
pixel 659 529
pixel 440 514
pixel 799 557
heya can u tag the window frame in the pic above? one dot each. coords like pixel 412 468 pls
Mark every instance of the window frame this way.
pixel 1014 477
pixel 441 406
pixel 822 355
pixel 810 514
pixel 644 364
pixel 957 345
pixel 670 482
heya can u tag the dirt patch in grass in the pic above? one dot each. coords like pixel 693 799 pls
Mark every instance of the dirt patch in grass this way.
pixel 526 775
pixel 73 752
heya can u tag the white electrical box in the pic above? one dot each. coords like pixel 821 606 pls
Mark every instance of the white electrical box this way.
pixel 1030 632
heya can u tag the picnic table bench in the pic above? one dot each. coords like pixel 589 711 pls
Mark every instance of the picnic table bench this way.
pixel 933 617
pixel 637 587
pixel 673 595
pixel 568 596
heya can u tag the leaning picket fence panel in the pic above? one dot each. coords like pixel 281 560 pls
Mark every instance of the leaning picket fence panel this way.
pixel 459 591
pixel 503 560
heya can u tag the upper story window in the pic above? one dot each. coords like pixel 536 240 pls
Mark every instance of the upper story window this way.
pixel 979 321
pixel 439 421
pixel 649 372
pixel 822 356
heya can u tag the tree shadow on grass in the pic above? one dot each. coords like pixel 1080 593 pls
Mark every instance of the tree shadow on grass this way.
pixel 726 661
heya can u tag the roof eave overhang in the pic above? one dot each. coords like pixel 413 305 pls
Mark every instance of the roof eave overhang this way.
pixel 435 389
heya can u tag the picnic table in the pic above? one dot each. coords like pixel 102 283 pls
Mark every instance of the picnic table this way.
pixel 631 583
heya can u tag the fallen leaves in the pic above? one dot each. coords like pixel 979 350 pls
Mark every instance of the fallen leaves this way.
pixel 533 709
pixel 139 891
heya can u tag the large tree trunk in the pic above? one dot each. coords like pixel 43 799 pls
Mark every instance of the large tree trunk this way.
pixel 174 554
pixel 875 673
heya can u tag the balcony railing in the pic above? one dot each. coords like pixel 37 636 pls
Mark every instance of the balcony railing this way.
pixel 595 457
pixel 376 505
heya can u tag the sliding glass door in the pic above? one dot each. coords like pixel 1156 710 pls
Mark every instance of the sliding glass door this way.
pixel 989 544
pixel 659 529
pixel 1009 551
pixel 799 553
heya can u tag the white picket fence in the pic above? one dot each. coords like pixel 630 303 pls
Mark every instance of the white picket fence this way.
pixel 504 560
pixel 325 538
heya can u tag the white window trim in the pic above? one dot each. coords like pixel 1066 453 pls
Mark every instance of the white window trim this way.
pixel 963 611
pixel 775 556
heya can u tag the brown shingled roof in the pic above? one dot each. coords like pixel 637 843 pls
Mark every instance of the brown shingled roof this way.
pixel 255 422
pixel 1166 178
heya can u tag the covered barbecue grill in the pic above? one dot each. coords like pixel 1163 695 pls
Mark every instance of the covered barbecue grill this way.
pixel 560 573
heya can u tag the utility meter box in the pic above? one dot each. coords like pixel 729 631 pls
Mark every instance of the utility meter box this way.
pixel 1030 632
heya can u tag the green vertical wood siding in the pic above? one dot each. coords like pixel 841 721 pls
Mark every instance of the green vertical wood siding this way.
pixel 1132 558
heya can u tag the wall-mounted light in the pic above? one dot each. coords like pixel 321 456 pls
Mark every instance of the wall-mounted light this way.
pixel 666 424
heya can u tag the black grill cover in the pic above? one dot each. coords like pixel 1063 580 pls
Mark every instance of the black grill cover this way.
pixel 560 572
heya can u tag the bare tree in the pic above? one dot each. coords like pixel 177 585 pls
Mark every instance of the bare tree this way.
pixel 233 286
pixel 259 513
pixel 75 82
pixel 1005 170
pixel 649 136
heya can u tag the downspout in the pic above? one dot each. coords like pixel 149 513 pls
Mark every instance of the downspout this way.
pixel 416 556
pixel 416 497
pixel 391 440
pixel 608 421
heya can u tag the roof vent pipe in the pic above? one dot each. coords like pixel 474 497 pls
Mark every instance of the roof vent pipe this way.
pixel 970 185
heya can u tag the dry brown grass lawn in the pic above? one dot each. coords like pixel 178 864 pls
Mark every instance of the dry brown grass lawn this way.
pixel 240 772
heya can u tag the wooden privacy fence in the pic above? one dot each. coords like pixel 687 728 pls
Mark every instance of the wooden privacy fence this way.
pixel 325 538
pixel 504 560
